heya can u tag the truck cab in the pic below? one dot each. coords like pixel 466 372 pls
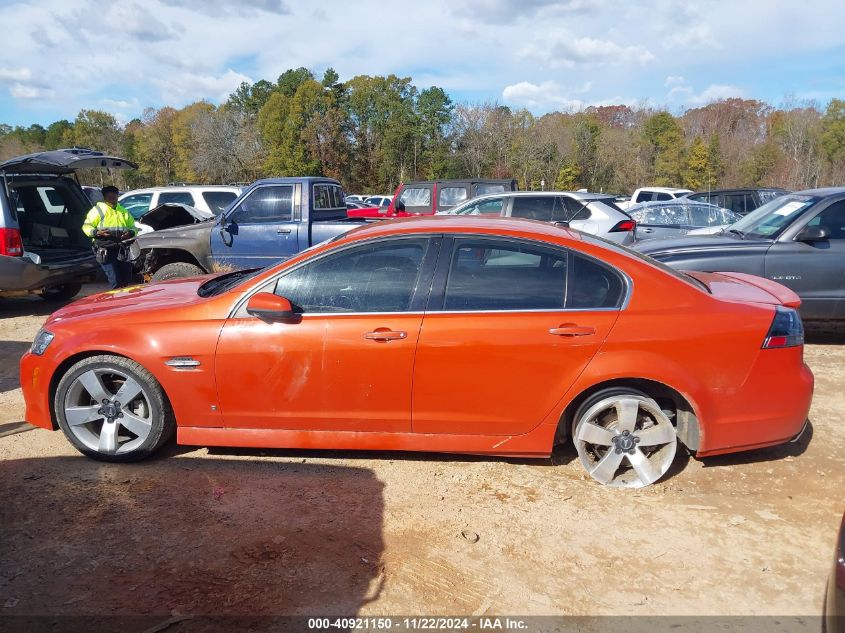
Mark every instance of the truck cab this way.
pixel 272 220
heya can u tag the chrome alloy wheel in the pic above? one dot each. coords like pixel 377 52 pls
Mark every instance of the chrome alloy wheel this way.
pixel 108 411
pixel 625 441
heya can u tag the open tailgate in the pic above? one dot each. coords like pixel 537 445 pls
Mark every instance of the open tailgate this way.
pixel 750 288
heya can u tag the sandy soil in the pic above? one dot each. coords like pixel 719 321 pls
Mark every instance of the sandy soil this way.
pixel 243 532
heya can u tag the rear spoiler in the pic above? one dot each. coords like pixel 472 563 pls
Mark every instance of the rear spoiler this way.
pixel 780 293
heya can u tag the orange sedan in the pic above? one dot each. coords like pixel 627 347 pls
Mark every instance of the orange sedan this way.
pixel 475 335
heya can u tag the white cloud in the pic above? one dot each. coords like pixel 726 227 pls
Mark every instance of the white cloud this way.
pixel 15 74
pixel 562 50
pixel 683 93
pixel 27 91
pixel 550 95
pixel 184 87
pixel 673 80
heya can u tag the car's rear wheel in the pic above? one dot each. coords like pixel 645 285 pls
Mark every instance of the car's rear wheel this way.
pixel 62 292
pixel 177 270
pixel 112 409
pixel 624 439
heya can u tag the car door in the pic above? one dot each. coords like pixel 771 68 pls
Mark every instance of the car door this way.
pixel 813 269
pixel 661 221
pixel 510 326
pixel 260 230
pixel 346 363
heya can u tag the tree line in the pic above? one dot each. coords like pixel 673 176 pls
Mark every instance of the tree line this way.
pixel 372 132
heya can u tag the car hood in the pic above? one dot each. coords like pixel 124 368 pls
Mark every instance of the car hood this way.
pixel 696 244
pixel 141 300
pixel 63 161
pixel 166 216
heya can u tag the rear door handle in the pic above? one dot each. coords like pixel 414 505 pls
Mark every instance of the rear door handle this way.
pixel 570 329
pixel 385 335
pixel 283 231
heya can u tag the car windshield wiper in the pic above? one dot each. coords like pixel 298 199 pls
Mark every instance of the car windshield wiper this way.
pixel 224 282
pixel 736 232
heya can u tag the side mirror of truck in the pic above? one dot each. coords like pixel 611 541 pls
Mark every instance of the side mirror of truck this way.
pixel 399 206
pixel 270 308
pixel 813 234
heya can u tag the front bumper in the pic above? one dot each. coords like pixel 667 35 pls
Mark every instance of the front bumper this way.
pixel 36 372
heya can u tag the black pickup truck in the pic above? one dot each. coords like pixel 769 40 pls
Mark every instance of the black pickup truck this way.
pixel 272 220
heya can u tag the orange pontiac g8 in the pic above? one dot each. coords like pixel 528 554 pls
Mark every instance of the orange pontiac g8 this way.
pixel 476 335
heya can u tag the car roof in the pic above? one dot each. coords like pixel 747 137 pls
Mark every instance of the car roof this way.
pixel 822 191
pixel 181 188
pixel 667 189
pixel 288 180
pixel 461 224
pixel 740 189
pixel 676 202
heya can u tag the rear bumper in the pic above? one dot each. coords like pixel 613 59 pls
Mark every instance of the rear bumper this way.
pixel 770 408
pixel 36 372
pixel 18 274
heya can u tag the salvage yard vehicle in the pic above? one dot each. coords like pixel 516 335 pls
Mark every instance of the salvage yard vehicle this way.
pixel 660 220
pixel 491 336
pixel 649 194
pixel 741 201
pixel 797 240
pixel 588 212
pixel 213 199
pixel 272 220
pixel 431 196
pixel 42 208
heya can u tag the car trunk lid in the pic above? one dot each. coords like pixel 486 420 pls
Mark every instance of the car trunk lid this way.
pixel 749 288
pixel 63 161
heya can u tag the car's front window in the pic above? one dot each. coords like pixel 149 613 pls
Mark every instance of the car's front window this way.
pixel 772 218
pixel 488 206
pixel 377 277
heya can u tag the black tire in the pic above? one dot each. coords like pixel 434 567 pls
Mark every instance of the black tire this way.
pixel 163 422
pixel 177 270
pixel 62 292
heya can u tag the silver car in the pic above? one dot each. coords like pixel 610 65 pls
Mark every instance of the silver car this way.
pixel 675 218
pixel 588 212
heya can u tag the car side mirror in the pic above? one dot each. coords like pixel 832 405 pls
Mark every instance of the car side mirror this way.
pixel 813 234
pixel 399 205
pixel 270 308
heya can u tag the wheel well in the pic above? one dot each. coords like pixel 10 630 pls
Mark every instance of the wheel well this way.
pixel 158 257
pixel 62 369
pixel 678 408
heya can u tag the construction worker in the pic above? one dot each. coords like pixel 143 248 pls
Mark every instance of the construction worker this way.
pixel 107 224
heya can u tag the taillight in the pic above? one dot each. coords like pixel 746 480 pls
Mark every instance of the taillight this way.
pixel 623 226
pixel 786 330
pixel 10 243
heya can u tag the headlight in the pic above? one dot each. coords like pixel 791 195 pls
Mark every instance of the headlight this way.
pixel 42 340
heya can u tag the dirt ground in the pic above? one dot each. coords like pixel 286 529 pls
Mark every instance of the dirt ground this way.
pixel 245 532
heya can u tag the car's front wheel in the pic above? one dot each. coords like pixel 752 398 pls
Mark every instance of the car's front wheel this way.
pixel 113 409
pixel 623 438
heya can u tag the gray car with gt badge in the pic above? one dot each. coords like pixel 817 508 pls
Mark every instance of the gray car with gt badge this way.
pixel 797 240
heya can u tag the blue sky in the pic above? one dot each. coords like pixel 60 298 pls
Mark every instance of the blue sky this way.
pixel 124 56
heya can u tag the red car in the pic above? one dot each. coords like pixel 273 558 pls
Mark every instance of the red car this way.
pixel 478 335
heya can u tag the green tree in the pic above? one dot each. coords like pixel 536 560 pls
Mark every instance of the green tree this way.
pixel 698 171
pixel 833 131
pixel 665 136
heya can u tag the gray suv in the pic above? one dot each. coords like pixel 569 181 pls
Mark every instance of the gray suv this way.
pixel 42 207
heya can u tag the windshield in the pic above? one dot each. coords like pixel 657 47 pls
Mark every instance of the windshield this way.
pixel 221 284
pixel 773 217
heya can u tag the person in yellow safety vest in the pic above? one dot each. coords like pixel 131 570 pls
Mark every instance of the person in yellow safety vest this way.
pixel 107 224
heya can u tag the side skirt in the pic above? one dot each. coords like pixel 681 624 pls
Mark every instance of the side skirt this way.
pixel 536 444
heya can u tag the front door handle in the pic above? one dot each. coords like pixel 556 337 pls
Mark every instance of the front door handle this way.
pixel 570 329
pixel 385 335
pixel 283 231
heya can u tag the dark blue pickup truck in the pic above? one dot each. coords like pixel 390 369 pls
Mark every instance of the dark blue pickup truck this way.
pixel 272 220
